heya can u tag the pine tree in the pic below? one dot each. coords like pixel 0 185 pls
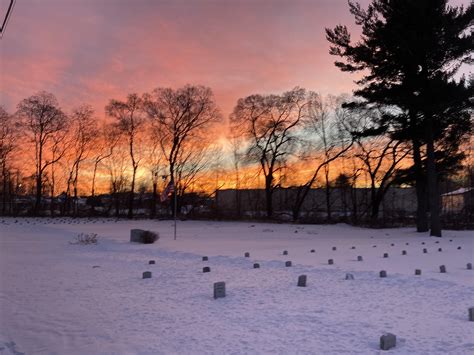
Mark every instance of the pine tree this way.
pixel 408 53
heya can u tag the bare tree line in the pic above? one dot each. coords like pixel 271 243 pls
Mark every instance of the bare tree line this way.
pixel 296 139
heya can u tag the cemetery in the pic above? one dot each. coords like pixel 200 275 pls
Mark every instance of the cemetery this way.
pixel 227 287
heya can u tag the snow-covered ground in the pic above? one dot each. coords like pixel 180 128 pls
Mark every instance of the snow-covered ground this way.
pixel 59 298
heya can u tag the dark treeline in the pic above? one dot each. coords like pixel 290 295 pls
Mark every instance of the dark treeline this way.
pixel 408 124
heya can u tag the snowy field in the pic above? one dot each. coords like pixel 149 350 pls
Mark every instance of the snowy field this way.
pixel 59 298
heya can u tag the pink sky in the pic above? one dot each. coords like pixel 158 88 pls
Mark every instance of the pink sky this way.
pixel 88 51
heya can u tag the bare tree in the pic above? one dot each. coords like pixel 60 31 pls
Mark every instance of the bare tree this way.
pixel 7 146
pixel 178 116
pixel 116 168
pixel 238 154
pixel 83 135
pixel 380 157
pixel 41 118
pixel 105 142
pixel 155 167
pixel 59 147
pixel 329 139
pixel 129 115
pixel 269 124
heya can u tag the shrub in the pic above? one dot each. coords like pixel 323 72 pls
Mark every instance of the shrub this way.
pixel 149 237
pixel 85 239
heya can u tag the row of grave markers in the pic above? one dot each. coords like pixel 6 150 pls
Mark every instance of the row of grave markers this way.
pixel 331 261
pixel 387 341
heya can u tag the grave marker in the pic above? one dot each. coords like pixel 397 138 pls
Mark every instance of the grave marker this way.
pixel 353 247
pixel 388 341
pixel 469 266
pixel 334 248
pixel 256 266
pixel 383 273
pixel 313 251
pixel 151 262
pixel 285 252
pixel 440 250
pixel 349 277
pixel 359 258
pixel 404 252
pixel 385 255
pixel 206 269
pixel 205 258
pixel 417 272
pixel 459 248
pixel 136 235
pixel 425 251
pixel 471 314
pixel 302 281
pixel 247 255
pixel 288 263
pixel 219 290
pixel 330 262
pixel 147 275
pixel 442 269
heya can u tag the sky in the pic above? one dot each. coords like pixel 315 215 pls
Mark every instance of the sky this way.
pixel 89 51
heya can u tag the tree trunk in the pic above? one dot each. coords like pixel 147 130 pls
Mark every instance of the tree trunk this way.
pixel 132 193
pixel 76 175
pixel 268 195
pixel 39 188
pixel 328 194
pixel 433 182
pixel 94 173
pixel 154 200
pixel 355 219
pixel 53 182
pixel 421 193
pixel 4 200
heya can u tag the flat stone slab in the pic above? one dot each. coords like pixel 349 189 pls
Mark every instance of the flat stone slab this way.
pixel 147 275
pixel 388 341
pixel 136 235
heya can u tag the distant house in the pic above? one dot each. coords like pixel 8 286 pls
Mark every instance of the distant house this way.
pixel 460 200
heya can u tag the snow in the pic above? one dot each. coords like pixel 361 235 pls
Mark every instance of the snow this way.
pixel 60 298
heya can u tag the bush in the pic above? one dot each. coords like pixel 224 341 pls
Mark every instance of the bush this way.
pixel 149 237
pixel 85 239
